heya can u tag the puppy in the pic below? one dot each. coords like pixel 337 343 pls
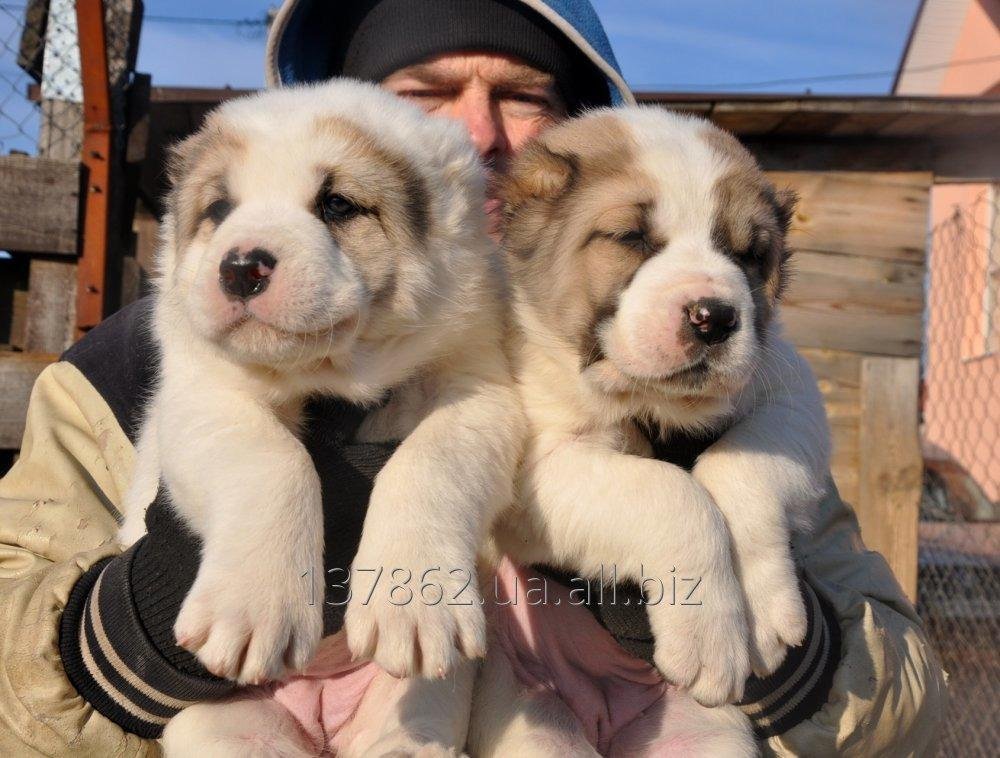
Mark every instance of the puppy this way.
pixel 326 240
pixel 647 256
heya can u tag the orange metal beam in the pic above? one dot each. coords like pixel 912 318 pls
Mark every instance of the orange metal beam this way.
pixel 96 158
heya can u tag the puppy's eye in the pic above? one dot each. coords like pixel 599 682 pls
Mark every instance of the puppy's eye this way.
pixel 636 239
pixel 334 208
pixel 633 237
pixel 217 211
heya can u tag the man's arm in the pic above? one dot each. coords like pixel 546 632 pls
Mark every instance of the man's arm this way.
pixel 57 520
pixel 72 680
pixel 888 695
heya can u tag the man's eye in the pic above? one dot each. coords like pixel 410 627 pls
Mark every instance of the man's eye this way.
pixel 525 98
pixel 217 211
pixel 335 208
pixel 537 103
pixel 424 96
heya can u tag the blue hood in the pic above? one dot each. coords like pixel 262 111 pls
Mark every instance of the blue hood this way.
pixel 299 40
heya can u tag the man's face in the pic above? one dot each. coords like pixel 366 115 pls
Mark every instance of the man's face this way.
pixel 502 101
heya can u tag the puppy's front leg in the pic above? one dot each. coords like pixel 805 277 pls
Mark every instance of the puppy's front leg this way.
pixel 654 524
pixel 415 604
pixel 764 474
pixel 248 487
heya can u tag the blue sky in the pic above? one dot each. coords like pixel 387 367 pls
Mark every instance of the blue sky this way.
pixel 661 44
pixel 687 45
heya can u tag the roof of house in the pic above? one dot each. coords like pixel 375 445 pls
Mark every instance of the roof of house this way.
pixel 839 116
pixel 936 27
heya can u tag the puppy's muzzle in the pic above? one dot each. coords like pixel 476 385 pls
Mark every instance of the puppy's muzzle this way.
pixel 245 276
pixel 711 320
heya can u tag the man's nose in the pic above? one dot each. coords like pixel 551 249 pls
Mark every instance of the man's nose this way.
pixel 484 123
pixel 246 275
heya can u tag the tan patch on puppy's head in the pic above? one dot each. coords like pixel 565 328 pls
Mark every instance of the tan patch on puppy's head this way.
pixel 196 168
pixel 578 225
pixel 393 219
pixel 752 221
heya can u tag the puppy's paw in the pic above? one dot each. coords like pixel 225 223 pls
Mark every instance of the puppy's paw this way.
pixel 777 615
pixel 413 616
pixel 251 625
pixel 703 648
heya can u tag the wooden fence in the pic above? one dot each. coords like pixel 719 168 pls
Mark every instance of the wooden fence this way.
pixel 66 212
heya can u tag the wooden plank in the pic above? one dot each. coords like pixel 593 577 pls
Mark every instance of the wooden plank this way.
pixel 871 215
pixel 891 468
pixel 745 123
pixel 854 313
pixel 914 124
pixel 822 322
pixel 39 204
pixel 808 124
pixel 19 320
pixel 838 374
pixel 909 277
pixel 51 306
pixel 146 229
pixel 844 459
pixel 949 160
pixel 862 123
pixel 51 281
pixel 18 372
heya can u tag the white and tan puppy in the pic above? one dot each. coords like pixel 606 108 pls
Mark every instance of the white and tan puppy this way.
pixel 647 255
pixel 327 240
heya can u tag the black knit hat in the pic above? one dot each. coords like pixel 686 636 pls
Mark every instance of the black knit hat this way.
pixel 383 36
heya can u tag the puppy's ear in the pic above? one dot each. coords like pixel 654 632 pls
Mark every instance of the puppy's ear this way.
pixel 785 202
pixel 180 156
pixel 537 174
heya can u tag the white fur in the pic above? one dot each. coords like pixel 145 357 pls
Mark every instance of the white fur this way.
pixel 591 496
pixel 222 427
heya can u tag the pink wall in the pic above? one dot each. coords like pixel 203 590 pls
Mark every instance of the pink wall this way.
pixel 962 377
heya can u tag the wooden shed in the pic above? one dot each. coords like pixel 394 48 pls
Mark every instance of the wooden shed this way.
pixel 863 167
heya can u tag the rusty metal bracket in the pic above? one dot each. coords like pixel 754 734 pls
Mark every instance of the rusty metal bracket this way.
pixel 96 157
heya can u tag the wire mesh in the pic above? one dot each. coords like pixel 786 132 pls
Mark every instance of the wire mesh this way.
pixel 38 47
pixel 959 570
pixel 19 118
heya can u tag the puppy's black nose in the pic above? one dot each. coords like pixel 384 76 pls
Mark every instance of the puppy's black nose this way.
pixel 712 320
pixel 246 276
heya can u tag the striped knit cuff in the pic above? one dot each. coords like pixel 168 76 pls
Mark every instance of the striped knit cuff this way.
pixel 801 686
pixel 111 661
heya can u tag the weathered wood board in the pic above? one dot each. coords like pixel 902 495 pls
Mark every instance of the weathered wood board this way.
pixel 873 215
pixel 890 468
pixel 839 376
pixel 39 204
pixel 18 372
pixel 858 266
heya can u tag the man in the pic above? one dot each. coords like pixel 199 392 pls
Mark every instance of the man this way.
pixel 507 69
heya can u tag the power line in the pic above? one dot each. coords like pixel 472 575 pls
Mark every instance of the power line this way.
pixel 262 21
pixel 198 21
pixel 187 20
pixel 825 77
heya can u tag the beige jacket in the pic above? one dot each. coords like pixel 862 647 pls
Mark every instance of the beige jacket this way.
pixel 59 514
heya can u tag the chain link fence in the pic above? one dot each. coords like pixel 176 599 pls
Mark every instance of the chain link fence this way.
pixel 40 90
pixel 959 568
